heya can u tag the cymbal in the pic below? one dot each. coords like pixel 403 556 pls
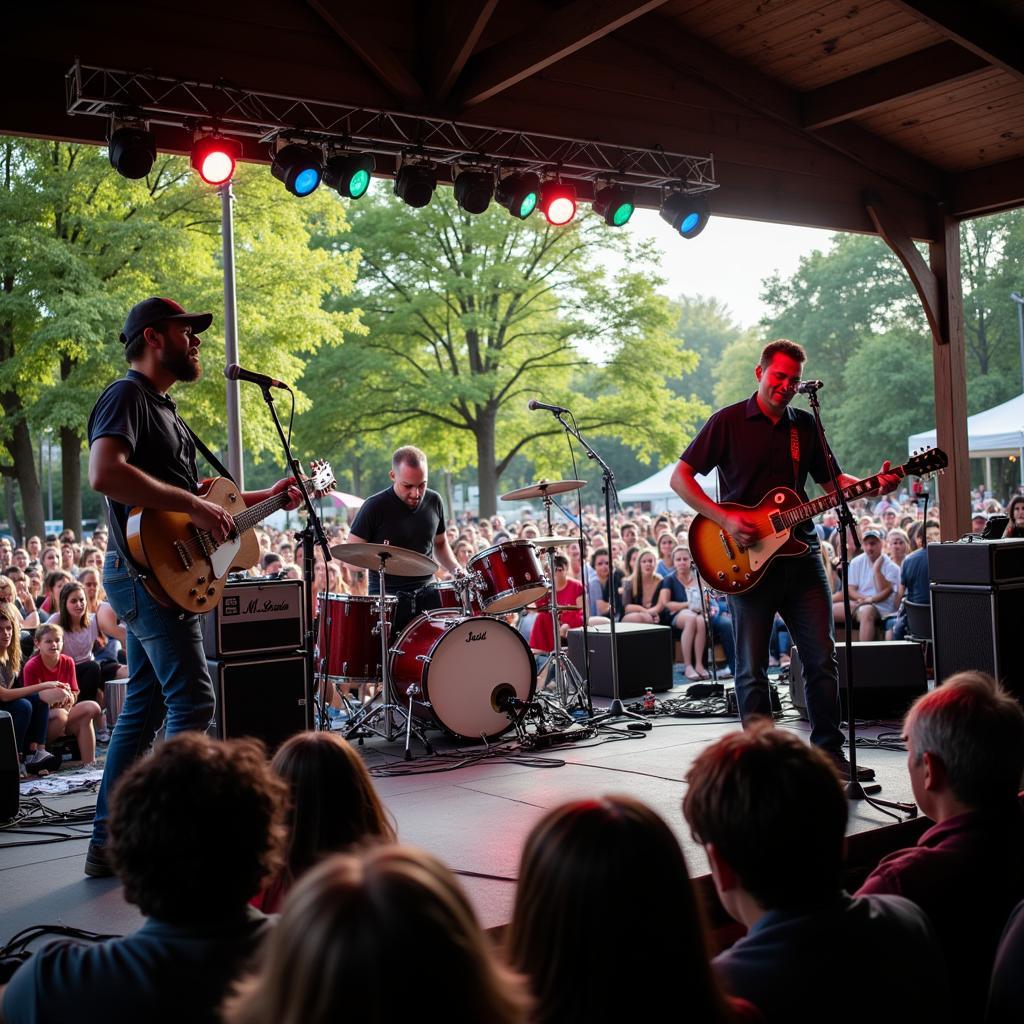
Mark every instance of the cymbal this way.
pixel 553 542
pixel 542 487
pixel 398 561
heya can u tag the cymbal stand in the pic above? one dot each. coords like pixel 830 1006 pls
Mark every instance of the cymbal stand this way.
pixel 386 709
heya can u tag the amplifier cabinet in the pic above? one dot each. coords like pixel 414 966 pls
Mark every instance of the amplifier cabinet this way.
pixel 265 698
pixel 645 658
pixel 977 562
pixel 10 782
pixel 255 617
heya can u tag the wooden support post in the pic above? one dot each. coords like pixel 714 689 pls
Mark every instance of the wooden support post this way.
pixel 937 283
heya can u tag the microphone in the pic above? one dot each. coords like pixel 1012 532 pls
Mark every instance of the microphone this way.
pixel 808 387
pixel 235 372
pixel 534 404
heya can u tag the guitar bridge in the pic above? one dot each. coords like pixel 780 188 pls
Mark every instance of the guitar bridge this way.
pixel 183 554
pixel 724 538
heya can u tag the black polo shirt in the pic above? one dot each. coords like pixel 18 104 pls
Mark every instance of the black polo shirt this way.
pixel 132 409
pixel 753 455
pixel 385 517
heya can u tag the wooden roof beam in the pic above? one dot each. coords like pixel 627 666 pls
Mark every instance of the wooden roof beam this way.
pixel 462 22
pixel 976 27
pixel 663 40
pixel 860 94
pixel 988 189
pixel 558 35
pixel 364 41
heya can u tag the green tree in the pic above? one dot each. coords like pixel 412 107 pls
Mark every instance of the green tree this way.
pixel 734 374
pixel 469 316
pixel 82 244
pixel 707 327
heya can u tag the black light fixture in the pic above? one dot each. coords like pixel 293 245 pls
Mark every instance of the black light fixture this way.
pixel 349 173
pixel 299 168
pixel 132 150
pixel 616 204
pixel 415 183
pixel 473 190
pixel 518 193
pixel 687 214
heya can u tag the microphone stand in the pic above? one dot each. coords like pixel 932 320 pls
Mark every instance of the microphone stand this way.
pixel 312 535
pixel 853 789
pixel 616 709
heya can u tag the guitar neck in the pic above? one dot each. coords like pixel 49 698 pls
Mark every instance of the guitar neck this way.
pixel 258 512
pixel 809 509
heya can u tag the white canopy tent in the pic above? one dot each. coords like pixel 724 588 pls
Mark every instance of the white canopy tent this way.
pixel 657 491
pixel 992 434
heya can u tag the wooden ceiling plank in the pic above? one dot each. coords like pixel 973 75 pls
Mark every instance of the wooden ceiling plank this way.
pixel 366 43
pixel 464 23
pixel 966 95
pixel 902 79
pixel 976 27
pixel 984 108
pixel 570 29
pixel 776 23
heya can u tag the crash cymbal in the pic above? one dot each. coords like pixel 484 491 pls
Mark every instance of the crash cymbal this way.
pixel 542 487
pixel 552 542
pixel 397 561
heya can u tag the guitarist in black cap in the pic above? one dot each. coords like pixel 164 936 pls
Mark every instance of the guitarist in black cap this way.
pixel 142 454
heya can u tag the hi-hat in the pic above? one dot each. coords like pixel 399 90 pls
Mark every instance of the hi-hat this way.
pixel 397 561
pixel 543 487
pixel 552 542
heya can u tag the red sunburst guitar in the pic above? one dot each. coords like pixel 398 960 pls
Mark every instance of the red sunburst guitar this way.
pixel 728 566
pixel 185 567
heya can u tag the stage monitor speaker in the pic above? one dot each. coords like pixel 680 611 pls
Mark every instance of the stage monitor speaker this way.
pixel 645 658
pixel 264 698
pixel 9 776
pixel 256 616
pixel 979 628
pixel 888 675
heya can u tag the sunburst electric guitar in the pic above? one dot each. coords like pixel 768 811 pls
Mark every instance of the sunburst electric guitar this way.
pixel 185 567
pixel 728 566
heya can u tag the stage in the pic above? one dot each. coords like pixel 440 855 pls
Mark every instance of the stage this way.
pixel 474 816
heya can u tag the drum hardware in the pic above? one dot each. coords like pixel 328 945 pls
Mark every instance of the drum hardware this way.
pixel 542 489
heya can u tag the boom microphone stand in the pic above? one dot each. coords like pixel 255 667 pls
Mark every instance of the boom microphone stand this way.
pixel 854 789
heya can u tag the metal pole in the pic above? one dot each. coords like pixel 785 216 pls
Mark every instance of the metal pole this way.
pixel 49 474
pixel 234 409
pixel 1019 299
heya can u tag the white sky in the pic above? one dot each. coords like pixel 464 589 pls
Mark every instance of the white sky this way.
pixel 729 259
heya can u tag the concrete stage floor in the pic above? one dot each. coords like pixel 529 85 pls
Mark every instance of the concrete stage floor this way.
pixel 474 816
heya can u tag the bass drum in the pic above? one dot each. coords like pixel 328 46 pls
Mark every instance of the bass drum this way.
pixel 462 667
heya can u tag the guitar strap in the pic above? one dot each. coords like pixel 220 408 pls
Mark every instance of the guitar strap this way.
pixel 794 454
pixel 206 453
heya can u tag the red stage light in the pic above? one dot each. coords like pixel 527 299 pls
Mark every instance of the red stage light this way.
pixel 558 202
pixel 214 158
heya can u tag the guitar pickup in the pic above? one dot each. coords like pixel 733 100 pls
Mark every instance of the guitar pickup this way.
pixel 183 554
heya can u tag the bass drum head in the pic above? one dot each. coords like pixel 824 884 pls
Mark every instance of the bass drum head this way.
pixel 471 662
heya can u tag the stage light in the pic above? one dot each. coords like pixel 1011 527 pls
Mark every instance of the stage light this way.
pixel 214 158
pixel 415 184
pixel 616 204
pixel 519 193
pixel 558 202
pixel 687 214
pixel 473 190
pixel 300 168
pixel 349 174
pixel 132 150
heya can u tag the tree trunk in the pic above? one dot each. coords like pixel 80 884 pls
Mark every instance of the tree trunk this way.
pixel 486 463
pixel 19 444
pixel 71 480
pixel 12 512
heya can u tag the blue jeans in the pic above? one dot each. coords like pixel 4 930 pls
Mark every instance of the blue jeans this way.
pixel 168 678
pixel 722 633
pixel 31 717
pixel 795 588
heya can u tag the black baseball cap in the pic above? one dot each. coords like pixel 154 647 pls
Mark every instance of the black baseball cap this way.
pixel 154 311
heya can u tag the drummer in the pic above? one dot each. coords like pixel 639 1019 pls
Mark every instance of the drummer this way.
pixel 408 515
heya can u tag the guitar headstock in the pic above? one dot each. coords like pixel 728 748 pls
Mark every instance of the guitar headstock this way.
pixel 321 479
pixel 927 462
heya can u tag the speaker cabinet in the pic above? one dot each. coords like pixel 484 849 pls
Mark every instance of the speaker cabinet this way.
pixel 645 658
pixel 9 778
pixel 888 675
pixel 979 628
pixel 265 698
pixel 255 617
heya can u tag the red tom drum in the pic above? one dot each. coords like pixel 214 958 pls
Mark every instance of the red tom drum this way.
pixel 512 576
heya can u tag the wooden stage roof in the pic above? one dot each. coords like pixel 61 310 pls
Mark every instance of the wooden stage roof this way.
pixel 805 105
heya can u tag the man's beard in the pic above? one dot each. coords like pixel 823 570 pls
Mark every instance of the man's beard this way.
pixel 180 365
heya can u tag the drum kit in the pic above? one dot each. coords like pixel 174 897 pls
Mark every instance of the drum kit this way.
pixel 457 664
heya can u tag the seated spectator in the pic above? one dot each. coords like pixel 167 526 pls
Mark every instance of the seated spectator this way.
pixel 603 586
pixel 771 815
pixel 666 544
pixel 193 831
pixel 569 593
pixel 1006 992
pixel 570 902
pixel 332 808
pixel 1015 512
pixel 679 606
pixel 874 580
pixel 338 952
pixel 270 563
pixel 965 754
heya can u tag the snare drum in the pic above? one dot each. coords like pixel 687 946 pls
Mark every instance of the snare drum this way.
pixel 349 647
pixel 444 598
pixel 512 576
pixel 462 667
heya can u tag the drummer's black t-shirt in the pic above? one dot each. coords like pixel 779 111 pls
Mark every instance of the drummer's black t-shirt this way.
pixel 385 517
